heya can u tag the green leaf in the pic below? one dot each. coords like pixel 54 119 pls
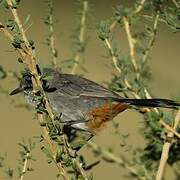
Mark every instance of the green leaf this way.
pixel 27 19
pixel 4 5
pixel 47 153
pixel 103 30
pixel 67 161
pixel 25 147
pixel 59 154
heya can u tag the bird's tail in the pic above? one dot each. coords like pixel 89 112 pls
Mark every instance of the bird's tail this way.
pixel 166 103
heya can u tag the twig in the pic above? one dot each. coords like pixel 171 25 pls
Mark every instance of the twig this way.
pixel 52 39
pixel 114 58
pixel 166 148
pixel 169 128
pixel 115 63
pixel 140 6
pixel 129 35
pixel 30 58
pixel 24 167
pixel 136 11
pixel 81 35
pixel 172 132
pixel 52 148
pixel 131 42
pixel 69 151
pixel 6 32
pixel 117 159
pixel 80 169
pixel 176 4
pixel 167 145
pixel 17 20
pixel 11 38
pixel 152 39
pixel 113 25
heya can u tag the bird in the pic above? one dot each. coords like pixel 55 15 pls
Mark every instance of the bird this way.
pixel 83 106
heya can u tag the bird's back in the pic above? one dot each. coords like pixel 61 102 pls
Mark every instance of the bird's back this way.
pixel 79 100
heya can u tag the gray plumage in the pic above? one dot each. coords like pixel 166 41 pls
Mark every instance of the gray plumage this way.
pixel 73 98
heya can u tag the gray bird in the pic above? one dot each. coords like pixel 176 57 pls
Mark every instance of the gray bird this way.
pixel 83 105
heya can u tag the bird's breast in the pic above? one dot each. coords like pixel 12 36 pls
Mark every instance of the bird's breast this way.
pixel 30 98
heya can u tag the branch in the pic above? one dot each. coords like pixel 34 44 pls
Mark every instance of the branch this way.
pixel 31 62
pixel 115 63
pixel 169 128
pixel 120 161
pixel 51 35
pixel 81 35
pixel 29 58
pixel 69 151
pixel 136 11
pixel 24 167
pixel 114 58
pixel 172 132
pixel 113 25
pixel 11 38
pixel 80 169
pixel 176 4
pixel 52 148
pixel 166 148
pixel 152 39
pixel 131 43
pixel 140 6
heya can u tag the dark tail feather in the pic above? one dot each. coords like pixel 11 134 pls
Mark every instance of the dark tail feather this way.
pixel 166 103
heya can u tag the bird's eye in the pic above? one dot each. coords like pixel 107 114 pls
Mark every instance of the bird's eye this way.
pixel 26 82
pixel 27 79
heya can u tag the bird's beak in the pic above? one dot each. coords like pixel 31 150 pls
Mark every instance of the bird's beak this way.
pixel 16 91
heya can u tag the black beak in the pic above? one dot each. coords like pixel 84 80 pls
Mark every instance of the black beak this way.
pixel 16 91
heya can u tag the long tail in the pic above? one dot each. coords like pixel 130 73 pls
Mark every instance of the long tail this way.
pixel 166 103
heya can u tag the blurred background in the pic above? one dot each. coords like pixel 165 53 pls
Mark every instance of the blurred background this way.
pixel 17 123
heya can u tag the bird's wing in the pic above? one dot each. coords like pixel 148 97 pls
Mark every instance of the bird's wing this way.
pixel 74 85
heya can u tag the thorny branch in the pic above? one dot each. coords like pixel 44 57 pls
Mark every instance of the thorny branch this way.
pixel 114 58
pixel 24 167
pixel 136 11
pixel 129 36
pixel 149 47
pixel 31 62
pixel 167 145
pixel 176 4
pixel 172 131
pixel 11 38
pixel 140 6
pixel 152 39
pixel 52 39
pixel 169 128
pixel 132 54
pixel 131 42
pixel 166 149
pixel 69 151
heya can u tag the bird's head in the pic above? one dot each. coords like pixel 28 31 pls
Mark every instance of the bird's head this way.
pixel 25 84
